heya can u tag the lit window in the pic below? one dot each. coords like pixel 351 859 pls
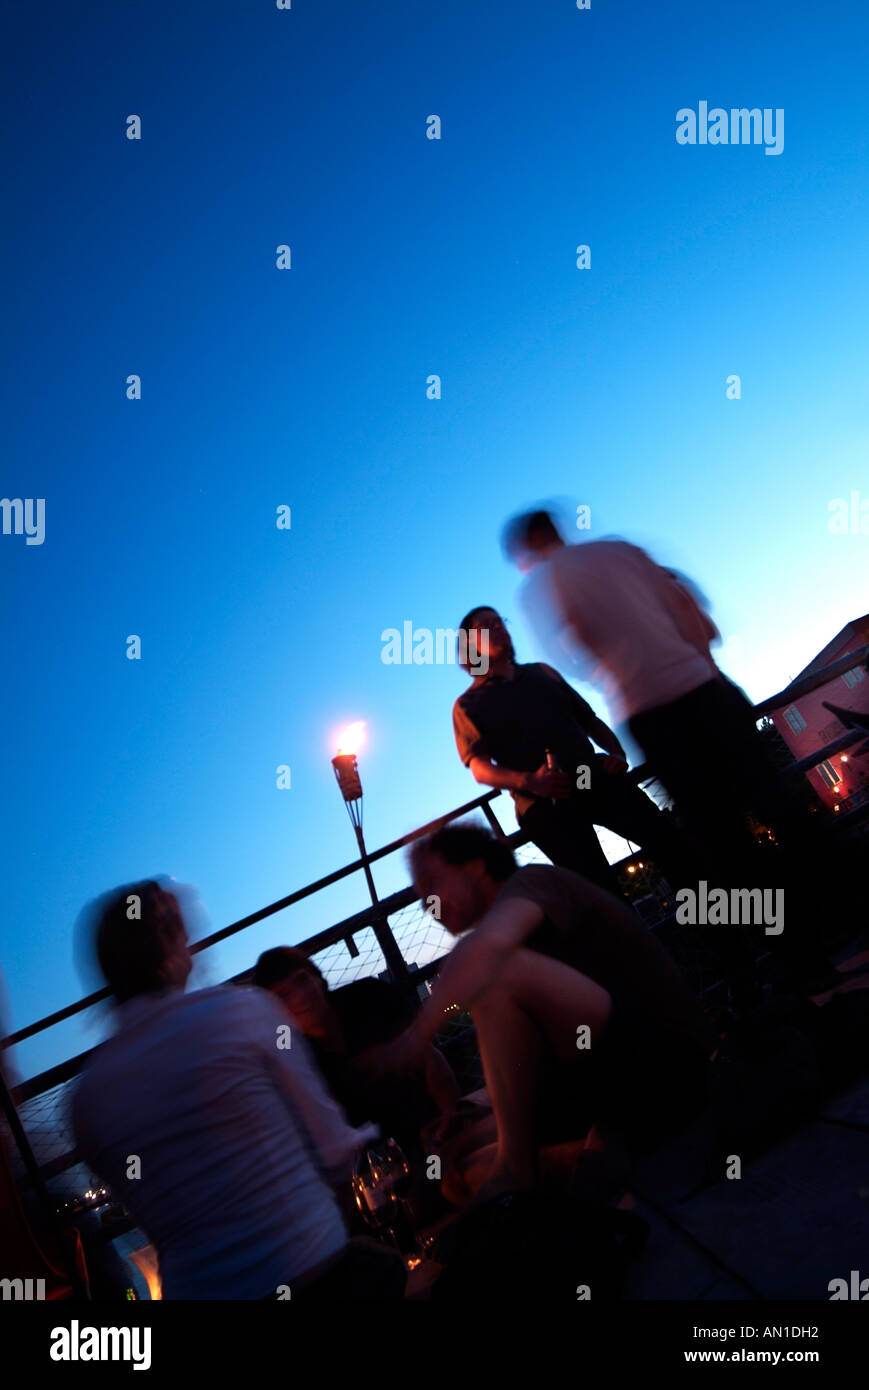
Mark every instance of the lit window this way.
pixel 795 719
pixel 852 678
pixel 829 774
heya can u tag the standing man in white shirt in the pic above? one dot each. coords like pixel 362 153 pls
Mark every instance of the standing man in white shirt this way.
pixel 645 642
pixel 209 1121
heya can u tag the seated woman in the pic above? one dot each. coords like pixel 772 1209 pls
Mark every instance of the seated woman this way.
pixel 341 1025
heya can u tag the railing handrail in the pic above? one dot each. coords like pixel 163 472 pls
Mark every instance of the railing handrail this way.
pixel 355 867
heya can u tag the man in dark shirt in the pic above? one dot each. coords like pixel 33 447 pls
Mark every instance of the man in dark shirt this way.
pixel 562 981
pixel 505 723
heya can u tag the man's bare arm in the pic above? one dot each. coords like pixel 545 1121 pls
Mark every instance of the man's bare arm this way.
pixel 606 739
pixel 441 1081
pixel 543 782
pixel 504 778
pixel 474 964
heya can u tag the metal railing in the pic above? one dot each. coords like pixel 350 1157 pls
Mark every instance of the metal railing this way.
pixel 341 931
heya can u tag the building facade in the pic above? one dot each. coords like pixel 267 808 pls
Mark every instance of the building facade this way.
pixel 843 780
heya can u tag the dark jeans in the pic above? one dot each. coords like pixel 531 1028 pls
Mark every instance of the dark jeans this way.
pixel 707 752
pixel 565 830
pixel 640 1080
pixel 565 833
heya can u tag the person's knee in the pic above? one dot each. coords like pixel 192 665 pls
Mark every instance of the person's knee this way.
pixel 510 974
pixel 511 982
pixel 490 1006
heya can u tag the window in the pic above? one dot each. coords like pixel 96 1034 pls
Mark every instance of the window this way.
pixel 795 719
pixel 852 678
pixel 829 774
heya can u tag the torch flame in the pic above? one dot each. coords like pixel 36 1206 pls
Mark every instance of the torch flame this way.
pixel 352 738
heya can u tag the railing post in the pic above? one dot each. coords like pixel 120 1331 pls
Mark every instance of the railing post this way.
pixel 493 820
pixel 379 923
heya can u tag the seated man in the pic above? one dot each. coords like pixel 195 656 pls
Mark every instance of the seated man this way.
pixel 583 1020
pixel 340 1026
pixel 218 1137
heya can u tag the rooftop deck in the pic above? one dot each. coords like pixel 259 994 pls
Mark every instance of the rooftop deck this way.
pixel 798 1216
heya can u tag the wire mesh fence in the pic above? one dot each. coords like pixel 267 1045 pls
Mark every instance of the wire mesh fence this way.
pixel 47 1121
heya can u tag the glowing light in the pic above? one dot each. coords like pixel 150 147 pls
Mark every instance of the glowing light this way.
pixel 352 738
pixel 145 1260
pixel 844 757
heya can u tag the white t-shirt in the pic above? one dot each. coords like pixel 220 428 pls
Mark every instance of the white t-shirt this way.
pixel 237 1138
pixel 608 608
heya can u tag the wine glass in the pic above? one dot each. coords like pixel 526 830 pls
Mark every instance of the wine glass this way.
pixel 396 1169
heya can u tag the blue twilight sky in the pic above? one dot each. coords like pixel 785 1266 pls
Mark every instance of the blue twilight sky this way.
pixel 307 387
